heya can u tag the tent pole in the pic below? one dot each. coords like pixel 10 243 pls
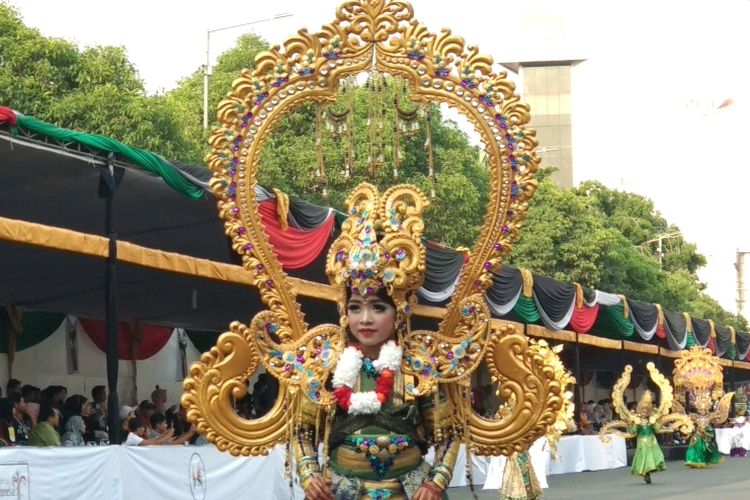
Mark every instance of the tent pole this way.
pixel 107 187
pixel 579 386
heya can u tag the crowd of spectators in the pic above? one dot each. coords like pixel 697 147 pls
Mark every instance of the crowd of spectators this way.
pixel 34 417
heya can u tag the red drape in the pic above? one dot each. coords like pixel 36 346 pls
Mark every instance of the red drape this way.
pixel 7 116
pixel 294 248
pixel 660 333
pixel 154 338
pixel 712 345
pixel 584 318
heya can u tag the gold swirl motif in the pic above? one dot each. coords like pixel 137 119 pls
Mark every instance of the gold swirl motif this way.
pixel 214 381
pixel 524 377
pixel 381 35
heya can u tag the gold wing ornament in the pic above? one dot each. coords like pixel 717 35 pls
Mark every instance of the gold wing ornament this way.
pixel 661 415
pixel 699 374
pixel 380 243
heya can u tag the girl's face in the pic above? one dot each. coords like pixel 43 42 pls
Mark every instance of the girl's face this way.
pixel 372 320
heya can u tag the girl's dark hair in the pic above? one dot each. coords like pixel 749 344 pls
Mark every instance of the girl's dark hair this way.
pixel 134 425
pixel 73 405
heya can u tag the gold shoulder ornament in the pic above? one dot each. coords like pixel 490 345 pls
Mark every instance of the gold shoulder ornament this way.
pixel 380 242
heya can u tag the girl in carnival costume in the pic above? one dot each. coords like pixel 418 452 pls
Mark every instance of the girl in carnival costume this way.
pixel 645 423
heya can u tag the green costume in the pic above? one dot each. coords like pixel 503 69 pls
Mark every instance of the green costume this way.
pixel 648 455
pixel 43 434
pixel 702 450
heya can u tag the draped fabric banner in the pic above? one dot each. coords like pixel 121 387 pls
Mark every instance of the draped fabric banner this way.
pixel 7 116
pixel 306 216
pixel 723 340
pixel 743 345
pixel 554 298
pixel 604 299
pixel 676 329
pixel 506 288
pixel 202 341
pixel 294 248
pixel 526 310
pixel 154 338
pixel 35 327
pixel 701 330
pixel 645 318
pixel 583 318
pixel 612 322
pixel 443 268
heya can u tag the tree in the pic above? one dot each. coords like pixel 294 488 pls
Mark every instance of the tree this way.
pixel 96 90
pixel 593 235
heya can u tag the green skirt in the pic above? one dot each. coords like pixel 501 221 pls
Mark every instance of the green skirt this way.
pixel 702 453
pixel 648 456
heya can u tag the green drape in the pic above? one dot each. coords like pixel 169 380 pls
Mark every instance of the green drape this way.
pixel 526 311
pixel 612 323
pixel 150 162
pixel 202 340
pixel 691 341
pixel 35 327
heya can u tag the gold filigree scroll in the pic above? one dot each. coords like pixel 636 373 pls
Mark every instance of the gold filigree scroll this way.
pixel 214 381
pixel 522 376
pixel 383 36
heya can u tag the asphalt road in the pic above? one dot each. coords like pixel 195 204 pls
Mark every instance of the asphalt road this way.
pixel 728 481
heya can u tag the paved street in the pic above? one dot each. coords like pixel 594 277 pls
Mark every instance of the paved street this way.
pixel 727 481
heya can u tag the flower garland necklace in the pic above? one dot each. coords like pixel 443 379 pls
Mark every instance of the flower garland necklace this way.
pixel 348 369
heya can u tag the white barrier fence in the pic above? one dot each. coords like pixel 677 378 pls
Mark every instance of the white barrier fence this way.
pixel 204 473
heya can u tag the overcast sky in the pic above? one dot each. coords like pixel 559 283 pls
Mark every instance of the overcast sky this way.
pixel 645 99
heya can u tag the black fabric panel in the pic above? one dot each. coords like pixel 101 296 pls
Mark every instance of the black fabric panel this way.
pixel 443 267
pixel 645 314
pixel 676 322
pixel 742 339
pixel 199 172
pixel 589 294
pixel 505 285
pixel 723 339
pixel 307 215
pixel 701 329
pixel 554 296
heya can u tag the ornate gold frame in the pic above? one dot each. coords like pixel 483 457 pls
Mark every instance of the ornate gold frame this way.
pixel 381 35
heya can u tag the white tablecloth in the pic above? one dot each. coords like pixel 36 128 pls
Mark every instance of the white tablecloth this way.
pixel 725 438
pixel 579 453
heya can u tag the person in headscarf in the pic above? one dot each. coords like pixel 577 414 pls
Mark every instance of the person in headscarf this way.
pixel 74 430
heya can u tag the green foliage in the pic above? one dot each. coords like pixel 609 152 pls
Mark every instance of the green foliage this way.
pixel 95 90
pixel 595 236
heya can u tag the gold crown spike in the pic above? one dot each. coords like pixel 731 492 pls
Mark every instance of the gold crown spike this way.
pixel 380 245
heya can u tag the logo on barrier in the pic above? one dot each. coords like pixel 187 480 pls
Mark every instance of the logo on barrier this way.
pixel 197 477
pixel 14 481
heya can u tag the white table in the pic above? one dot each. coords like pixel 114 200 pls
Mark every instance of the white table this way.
pixel 725 438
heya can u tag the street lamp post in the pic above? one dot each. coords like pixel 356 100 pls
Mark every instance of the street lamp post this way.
pixel 207 67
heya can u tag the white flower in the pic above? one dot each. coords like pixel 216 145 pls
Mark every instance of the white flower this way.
pixel 364 403
pixel 390 357
pixel 347 369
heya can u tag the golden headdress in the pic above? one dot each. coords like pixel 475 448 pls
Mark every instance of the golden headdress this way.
pixel 699 374
pixel 380 242
pixel 380 246
pixel 645 403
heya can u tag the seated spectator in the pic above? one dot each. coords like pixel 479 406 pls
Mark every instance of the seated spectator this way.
pixel 44 433
pixel 127 413
pixel 96 423
pixel 13 387
pixel 158 426
pixel 76 405
pixel 74 431
pixel 143 413
pixel 31 396
pixel 14 428
pixel 137 435
pixel 159 398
